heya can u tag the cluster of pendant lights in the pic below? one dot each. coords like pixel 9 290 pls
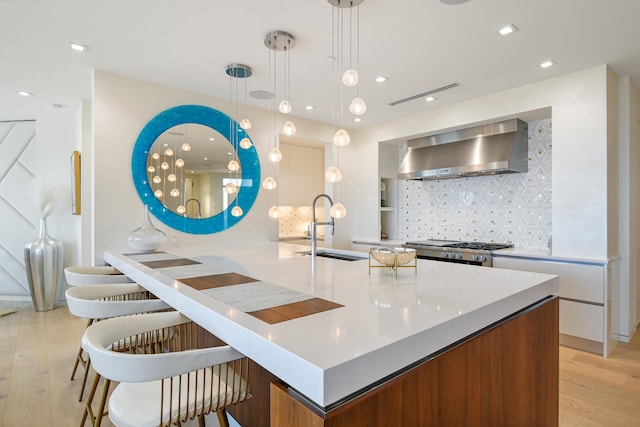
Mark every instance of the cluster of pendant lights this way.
pixel 236 72
pixel 166 172
pixel 281 41
pixel 346 56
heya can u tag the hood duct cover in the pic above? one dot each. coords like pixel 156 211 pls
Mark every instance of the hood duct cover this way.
pixel 488 149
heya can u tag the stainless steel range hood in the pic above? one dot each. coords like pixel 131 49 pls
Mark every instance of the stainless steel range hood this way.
pixel 488 149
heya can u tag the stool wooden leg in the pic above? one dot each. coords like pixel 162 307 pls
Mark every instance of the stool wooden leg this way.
pixel 87 406
pixel 103 400
pixel 79 358
pixel 86 374
pixel 222 418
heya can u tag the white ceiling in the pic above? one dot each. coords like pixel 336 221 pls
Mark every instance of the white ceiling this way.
pixel 418 45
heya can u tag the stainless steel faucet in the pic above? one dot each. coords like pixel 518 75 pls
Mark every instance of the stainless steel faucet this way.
pixel 314 227
pixel 186 205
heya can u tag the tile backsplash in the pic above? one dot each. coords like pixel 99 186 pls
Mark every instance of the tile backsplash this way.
pixel 513 208
pixel 295 221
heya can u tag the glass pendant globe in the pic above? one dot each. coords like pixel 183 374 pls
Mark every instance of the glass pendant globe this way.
pixel 269 183
pixel 158 193
pixel 156 179
pixel 341 138
pixel 168 152
pixel 171 177
pixel 164 166
pixel 274 155
pixel 179 163
pixel 151 169
pixel 350 77
pixel 289 128
pixel 274 212
pixel 233 166
pixel 338 211
pixel 231 188
pixel 245 124
pixel 186 147
pixel 174 192
pixel 181 209
pixel 236 211
pixel 245 143
pixel 285 107
pixel 333 174
pixel 357 107
pixel 155 156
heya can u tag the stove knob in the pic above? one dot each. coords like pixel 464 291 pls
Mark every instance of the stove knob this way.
pixel 445 254
pixel 482 258
pixel 459 255
pixel 476 257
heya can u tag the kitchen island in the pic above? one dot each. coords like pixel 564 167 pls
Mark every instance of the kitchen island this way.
pixel 343 345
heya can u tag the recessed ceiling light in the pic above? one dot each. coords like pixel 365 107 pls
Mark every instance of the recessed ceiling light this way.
pixel 430 98
pixel 381 79
pixel 547 64
pixel 212 139
pixel 24 93
pixel 507 29
pixel 205 158
pixel 261 94
pixel 78 47
pixel 309 107
pixel 357 119
pixel 453 1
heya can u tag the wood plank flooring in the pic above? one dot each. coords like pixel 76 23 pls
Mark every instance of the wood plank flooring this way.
pixel 37 351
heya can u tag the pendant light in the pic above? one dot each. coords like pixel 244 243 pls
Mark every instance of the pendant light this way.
pixel 346 76
pixel 239 137
pixel 279 41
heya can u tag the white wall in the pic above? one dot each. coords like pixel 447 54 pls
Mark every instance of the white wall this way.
pixel 629 235
pixel 579 106
pixel 121 108
pixel 43 166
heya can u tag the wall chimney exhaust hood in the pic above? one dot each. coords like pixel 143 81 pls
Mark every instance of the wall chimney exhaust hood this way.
pixel 493 148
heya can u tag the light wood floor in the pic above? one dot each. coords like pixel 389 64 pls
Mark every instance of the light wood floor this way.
pixel 37 351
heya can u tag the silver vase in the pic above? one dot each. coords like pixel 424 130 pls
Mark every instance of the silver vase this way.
pixel 44 262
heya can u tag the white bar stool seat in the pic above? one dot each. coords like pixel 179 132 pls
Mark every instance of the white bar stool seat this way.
pixel 165 388
pixel 104 301
pixel 91 275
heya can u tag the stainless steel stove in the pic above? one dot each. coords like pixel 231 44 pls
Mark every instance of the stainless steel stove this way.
pixel 474 253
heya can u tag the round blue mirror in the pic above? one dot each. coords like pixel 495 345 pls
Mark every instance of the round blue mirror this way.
pixel 164 175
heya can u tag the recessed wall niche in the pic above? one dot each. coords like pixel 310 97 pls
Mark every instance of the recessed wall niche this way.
pixel 513 208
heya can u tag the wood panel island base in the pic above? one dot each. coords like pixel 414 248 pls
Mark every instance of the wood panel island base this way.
pixel 507 375
pixel 446 345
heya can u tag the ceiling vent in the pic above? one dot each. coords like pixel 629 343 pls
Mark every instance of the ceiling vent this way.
pixel 425 94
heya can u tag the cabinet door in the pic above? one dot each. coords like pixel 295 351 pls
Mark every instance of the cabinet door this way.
pixel 284 189
pixel 298 183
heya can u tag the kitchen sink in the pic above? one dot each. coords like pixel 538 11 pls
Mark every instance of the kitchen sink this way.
pixel 336 255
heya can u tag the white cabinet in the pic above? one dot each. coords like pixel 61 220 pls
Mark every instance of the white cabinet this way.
pixel 301 174
pixel 584 308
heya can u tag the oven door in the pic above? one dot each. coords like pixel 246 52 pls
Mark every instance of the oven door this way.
pixel 486 263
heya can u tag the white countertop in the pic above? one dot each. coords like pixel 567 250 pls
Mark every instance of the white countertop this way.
pixel 385 324
pixel 546 255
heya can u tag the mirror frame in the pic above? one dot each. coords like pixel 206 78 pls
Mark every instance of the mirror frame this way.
pixel 226 126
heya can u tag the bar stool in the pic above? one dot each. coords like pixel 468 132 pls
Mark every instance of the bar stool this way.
pixel 81 275
pixel 104 301
pixel 182 382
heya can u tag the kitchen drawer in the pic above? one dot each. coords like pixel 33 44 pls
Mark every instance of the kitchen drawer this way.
pixel 582 320
pixel 582 282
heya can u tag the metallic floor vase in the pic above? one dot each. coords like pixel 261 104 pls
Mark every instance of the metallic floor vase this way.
pixel 44 259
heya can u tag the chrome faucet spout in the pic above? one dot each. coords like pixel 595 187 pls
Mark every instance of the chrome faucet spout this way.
pixel 314 227
pixel 186 205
